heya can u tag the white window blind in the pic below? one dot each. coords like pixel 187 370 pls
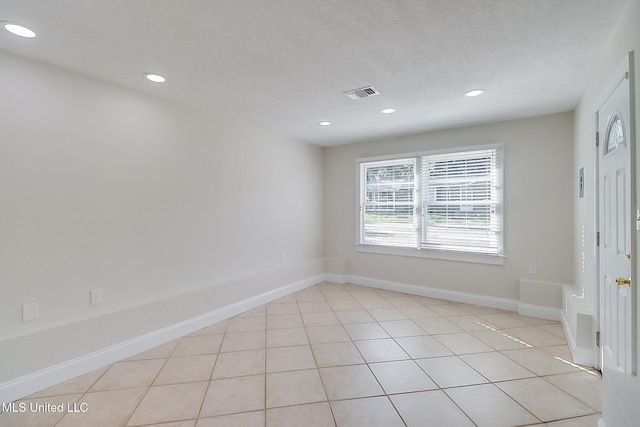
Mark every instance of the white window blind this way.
pixel 387 202
pixel 461 196
pixel 444 201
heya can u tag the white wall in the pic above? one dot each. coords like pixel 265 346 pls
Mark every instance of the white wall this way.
pixel 538 210
pixel 620 391
pixel 102 187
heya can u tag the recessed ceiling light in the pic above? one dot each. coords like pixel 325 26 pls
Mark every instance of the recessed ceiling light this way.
pixel 474 92
pixel 325 123
pixel 156 78
pixel 388 111
pixel 19 30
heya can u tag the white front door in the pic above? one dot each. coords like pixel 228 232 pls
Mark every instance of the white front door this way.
pixel 614 180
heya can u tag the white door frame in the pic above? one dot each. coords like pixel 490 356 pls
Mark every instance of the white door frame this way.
pixel 624 71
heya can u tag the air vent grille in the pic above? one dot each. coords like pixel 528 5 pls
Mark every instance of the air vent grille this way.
pixel 363 92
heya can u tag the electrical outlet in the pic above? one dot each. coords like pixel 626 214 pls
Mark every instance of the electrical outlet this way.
pixel 96 297
pixel 533 268
pixel 29 311
pixel 283 258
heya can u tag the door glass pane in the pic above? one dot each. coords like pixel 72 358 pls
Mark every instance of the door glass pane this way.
pixel 615 135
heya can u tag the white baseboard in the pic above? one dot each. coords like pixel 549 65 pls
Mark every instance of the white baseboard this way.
pixel 36 381
pixel 540 312
pixel 580 355
pixel 425 291
pixel 335 278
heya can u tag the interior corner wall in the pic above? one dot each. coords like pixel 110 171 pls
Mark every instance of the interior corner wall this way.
pixel 538 207
pixel 106 188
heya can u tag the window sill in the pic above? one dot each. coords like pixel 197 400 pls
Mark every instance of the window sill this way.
pixel 433 254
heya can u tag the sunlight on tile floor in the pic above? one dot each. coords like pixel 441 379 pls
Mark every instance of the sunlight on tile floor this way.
pixel 340 355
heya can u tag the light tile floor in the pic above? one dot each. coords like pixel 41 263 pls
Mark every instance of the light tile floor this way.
pixel 340 355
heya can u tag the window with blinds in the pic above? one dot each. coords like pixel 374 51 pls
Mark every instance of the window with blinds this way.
pixel 388 203
pixel 443 201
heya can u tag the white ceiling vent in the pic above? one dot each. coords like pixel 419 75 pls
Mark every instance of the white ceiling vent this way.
pixel 363 92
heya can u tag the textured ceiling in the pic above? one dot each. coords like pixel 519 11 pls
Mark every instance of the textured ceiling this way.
pixel 284 64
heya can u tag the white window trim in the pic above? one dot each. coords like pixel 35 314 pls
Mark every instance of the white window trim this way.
pixel 470 257
pixel 432 254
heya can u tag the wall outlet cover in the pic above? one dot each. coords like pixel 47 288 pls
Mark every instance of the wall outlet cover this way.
pixel 30 312
pixel 96 297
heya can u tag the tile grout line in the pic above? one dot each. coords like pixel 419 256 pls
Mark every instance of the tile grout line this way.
pixel 373 373
pixel 266 318
pixel 419 367
pixel 137 405
pixel 213 368
pixel 324 388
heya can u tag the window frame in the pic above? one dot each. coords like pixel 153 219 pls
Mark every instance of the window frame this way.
pixel 419 204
